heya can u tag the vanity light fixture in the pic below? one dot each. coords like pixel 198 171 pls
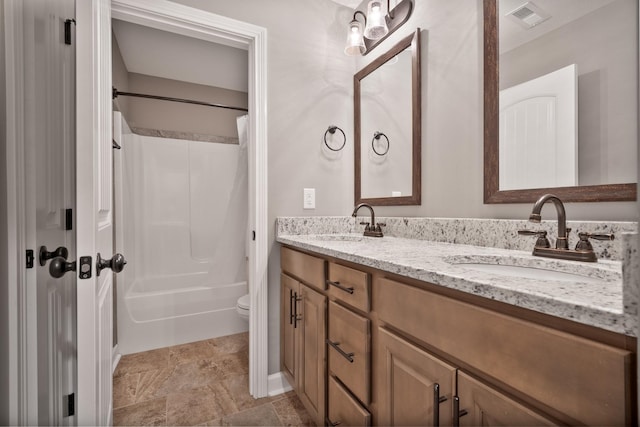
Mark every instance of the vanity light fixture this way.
pixel 380 21
pixel 355 40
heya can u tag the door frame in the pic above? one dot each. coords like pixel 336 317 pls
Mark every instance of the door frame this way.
pixel 191 22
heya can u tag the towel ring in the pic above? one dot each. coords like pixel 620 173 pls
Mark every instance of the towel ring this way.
pixel 376 136
pixel 332 130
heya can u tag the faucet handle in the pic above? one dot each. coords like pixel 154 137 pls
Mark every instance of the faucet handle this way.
pixel 367 226
pixel 380 224
pixel 585 245
pixel 542 241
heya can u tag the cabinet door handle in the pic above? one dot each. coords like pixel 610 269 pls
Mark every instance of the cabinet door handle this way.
pixel 336 345
pixel 333 423
pixel 291 302
pixel 296 317
pixel 457 413
pixel 339 286
pixel 437 400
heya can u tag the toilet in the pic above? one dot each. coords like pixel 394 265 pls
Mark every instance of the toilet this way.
pixel 242 307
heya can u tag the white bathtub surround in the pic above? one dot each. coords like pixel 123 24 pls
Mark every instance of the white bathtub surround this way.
pixel 431 250
pixel 182 220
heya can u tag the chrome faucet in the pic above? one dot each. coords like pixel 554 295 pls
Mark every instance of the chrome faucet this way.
pixel 561 241
pixel 371 229
pixel 582 252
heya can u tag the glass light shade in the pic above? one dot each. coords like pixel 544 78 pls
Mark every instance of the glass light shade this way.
pixel 376 23
pixel 355 42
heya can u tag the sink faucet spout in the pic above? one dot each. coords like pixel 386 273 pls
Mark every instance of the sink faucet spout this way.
pixel 364 205
pixel 561 242
pixel 372 229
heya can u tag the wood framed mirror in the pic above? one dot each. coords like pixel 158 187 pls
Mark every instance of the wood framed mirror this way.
pixel 387 127
pixel 592 83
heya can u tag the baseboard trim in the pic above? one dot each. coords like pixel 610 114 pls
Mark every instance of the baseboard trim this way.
pixel 278 384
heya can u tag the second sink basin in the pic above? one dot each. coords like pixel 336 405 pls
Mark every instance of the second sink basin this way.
pixel 339 237
pixel 536 269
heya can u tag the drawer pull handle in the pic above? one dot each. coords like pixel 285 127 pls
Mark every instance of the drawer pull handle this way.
pixel 332 423
pixel 336 345
pixel 457 413
pixel 339 286
pixel 437 400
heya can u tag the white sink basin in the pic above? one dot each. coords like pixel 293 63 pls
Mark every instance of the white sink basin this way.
pixel 537 269
pixel 339 237
pixel 530 273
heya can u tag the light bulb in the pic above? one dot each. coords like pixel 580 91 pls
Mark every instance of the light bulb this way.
pixel 355 43
pixel 376 21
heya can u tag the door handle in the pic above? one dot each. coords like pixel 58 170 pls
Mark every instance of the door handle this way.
pixel 44 255
pixel 59 266
pixel 116 263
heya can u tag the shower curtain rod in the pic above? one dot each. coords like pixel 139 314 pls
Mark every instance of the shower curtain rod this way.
pixel 117 93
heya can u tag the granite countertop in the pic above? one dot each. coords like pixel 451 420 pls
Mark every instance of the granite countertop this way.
pixel 597 300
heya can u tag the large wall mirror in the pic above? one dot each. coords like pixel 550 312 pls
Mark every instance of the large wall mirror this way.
pixel 561 100
pixel 387 114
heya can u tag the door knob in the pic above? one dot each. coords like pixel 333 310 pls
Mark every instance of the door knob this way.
pixel 115 263
pixel 44 255
pixel 59 266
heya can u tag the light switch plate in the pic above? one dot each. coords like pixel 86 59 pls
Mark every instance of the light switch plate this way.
pixel 309 198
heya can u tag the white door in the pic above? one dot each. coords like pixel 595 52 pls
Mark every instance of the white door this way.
pixel 49 136
pixel 94 210
pixel 538 132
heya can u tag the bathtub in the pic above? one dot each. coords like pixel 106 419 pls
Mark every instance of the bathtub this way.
pixel 177 311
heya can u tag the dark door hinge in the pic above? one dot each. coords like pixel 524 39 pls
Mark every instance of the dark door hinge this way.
pixel 69 405
pixel 29 258
pixel 68 219
pixel 67 30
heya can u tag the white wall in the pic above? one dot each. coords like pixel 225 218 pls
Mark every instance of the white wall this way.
pixel 310 87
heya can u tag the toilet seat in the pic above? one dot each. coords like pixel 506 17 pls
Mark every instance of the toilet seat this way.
pixel 242 306
pixel 244 301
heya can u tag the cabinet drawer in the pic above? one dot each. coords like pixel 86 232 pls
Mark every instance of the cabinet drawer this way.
pixel 586 380
pixel 307 268
pixel 349 285
pixel 344 409
pixel 349 350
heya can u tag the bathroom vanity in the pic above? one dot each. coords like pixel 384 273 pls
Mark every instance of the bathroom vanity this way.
pixel 397 331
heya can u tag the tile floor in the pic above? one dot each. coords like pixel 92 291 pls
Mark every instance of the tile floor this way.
pixel 201 383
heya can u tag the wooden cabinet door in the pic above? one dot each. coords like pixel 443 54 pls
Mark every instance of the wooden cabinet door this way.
pixel 311 334
pixel 288 292
pixel 485 406
pixel 410 383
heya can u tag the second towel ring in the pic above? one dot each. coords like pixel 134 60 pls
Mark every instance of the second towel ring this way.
pixel 332 129
pixel 376 136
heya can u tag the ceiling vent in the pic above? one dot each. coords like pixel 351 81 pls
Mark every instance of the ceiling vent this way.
pixel 528 15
